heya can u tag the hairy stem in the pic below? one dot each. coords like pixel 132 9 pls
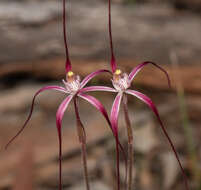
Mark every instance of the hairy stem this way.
pixel 82 139
pixel 130 145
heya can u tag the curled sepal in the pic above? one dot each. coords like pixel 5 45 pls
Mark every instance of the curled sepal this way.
pixel 57 88
pixel 92 75
pixel 59 116
pixel 135 71
pixel 149 102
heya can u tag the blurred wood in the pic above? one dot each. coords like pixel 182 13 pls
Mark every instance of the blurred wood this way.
pixel 54 69
pixel 194 5
pixel 24 178
pixel 32 30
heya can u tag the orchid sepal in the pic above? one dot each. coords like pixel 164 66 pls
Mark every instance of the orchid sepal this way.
pixel 57 88
pixel 115 112
pixel 92 75
pixel 152 106
pixel 97 88
pixel 137 69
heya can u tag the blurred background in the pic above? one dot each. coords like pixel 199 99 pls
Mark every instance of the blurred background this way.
pixel 167 32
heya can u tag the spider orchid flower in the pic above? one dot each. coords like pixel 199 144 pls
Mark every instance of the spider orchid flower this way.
pixel 122 82
pixel 73 87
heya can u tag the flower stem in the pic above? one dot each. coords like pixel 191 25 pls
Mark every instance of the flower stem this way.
pixel 60 160
pixel 130 145
pixel 117 162
pixel 82 140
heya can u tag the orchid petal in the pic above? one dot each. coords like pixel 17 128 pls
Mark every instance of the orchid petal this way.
pixel 81 133
pixel 115 112
pixel 149 102
pixel 59 116
pixel 61 110
pixel 97 88
pixel 92 75
pixel 114 121
pixel 96 103
pixel 135 71
pixel 57 88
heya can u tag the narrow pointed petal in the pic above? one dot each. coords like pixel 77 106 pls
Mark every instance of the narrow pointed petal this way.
pixel 114 121
pixel 135 71
pixel 92 75
pixel 149 102
pixel 61 110
pixel 96 103
pixel 97 88
pixel 59 116
pixel 115 112
pixel 57 88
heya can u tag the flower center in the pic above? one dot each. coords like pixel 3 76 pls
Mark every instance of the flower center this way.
pixel 120 80
pixel 72 82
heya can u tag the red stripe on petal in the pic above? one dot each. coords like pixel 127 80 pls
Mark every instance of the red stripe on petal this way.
pixel 115 112
pixel 97 88
pixel 59 116
pixel 96 103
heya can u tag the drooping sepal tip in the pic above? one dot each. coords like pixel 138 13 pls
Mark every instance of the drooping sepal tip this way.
pixel 163 70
